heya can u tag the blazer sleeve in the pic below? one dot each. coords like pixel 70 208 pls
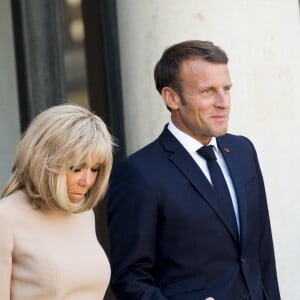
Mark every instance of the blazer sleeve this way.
pixel 266 249
pixel 132 222
pixel 6 248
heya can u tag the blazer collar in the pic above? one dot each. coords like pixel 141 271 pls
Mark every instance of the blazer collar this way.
pixel 232 156
pixel 180 157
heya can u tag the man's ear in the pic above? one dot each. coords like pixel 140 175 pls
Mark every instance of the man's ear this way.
pixel 170 97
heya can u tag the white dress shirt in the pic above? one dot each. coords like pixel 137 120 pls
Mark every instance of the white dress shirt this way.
pixel 191 145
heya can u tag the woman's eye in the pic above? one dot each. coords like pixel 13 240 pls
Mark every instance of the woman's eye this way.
pixel 76 169
pixel 83 168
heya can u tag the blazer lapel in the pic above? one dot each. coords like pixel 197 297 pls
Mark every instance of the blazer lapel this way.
pixel 231 155
pixel 181 158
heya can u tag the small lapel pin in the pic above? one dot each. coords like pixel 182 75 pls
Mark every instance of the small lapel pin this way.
pixel 226 150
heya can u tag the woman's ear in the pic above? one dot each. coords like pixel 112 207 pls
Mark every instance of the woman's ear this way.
pixel 171 98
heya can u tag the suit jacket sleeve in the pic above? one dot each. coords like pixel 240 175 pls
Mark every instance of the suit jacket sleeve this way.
pixel 266 249
pixel 266 253
pixel 6 246
pixel 132 220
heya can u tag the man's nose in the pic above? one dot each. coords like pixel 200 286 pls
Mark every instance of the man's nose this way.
pixel 222 99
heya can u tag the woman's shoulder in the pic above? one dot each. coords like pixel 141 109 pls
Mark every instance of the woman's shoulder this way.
pixel 15 202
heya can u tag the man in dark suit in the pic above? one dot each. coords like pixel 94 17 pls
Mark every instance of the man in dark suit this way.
pixel 187 214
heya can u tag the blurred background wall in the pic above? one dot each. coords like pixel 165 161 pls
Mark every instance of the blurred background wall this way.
pixel 9 109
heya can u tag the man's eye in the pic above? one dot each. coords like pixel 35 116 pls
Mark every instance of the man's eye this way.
pixel 206 91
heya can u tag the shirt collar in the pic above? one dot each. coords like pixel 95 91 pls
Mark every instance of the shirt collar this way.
pixel 188 142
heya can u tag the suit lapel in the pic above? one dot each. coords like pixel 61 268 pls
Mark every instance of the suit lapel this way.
pixel 231 156
pixel 188 167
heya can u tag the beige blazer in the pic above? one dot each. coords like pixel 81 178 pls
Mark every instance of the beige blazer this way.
pixel 49 256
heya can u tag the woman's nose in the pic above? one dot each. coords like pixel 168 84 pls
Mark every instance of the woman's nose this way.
pixel 85 179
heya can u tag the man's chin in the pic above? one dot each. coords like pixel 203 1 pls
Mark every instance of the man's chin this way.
pixel 220 133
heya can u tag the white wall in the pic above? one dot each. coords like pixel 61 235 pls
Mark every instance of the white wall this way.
pixel 9 111
pixel 262 40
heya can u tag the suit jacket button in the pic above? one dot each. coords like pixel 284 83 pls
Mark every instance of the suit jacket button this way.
pixel 244 297
pixel 242 260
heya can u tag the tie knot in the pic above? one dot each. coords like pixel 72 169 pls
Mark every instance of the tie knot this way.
pixel 207 152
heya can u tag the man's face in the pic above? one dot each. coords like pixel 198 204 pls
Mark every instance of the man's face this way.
pixel 202 110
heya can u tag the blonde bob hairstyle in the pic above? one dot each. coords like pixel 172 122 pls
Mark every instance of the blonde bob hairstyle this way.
pixel 57 139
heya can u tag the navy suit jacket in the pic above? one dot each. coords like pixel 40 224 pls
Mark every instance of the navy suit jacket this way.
pixel 170 238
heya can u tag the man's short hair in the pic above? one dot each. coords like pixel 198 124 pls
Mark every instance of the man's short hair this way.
pixel 166 72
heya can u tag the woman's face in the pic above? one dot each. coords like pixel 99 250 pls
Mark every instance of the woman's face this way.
pixel 80 179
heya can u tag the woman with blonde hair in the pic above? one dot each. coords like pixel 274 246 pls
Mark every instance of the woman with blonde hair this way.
pixel 48 244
